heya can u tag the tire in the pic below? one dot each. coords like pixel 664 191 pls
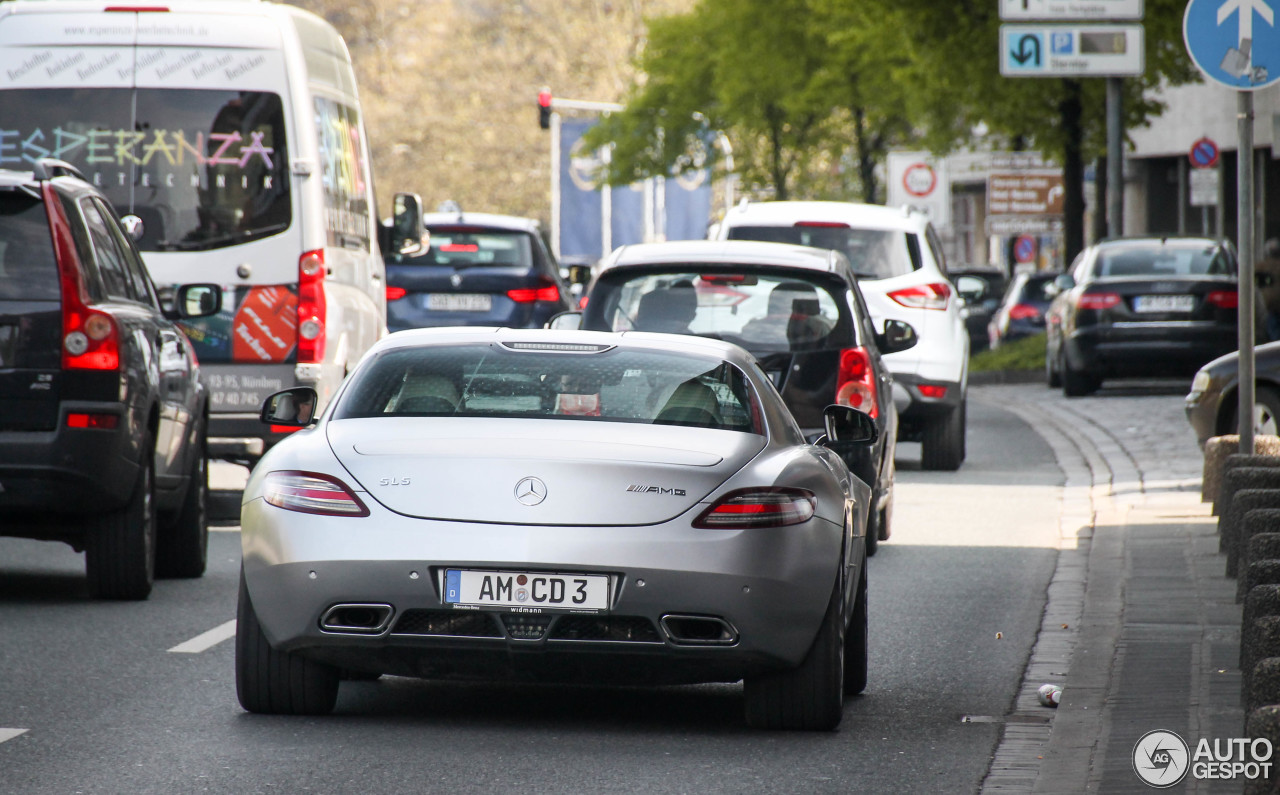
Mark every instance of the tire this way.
pixel 1052 378
pixel 182 550
pixel 1077 383
pixel 855 643
pixel 273 682
pixel 810 697
pixel 1266 412
pixel 120 553
pixel 942 442
pixel 874 521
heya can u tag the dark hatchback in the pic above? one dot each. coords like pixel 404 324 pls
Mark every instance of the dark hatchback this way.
pixel 475 269
pixel 797 309
pixel 1141 307
pixel 1022 310
pixel 102 414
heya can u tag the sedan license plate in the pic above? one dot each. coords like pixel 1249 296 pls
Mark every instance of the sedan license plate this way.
pixel 459 302
pixel 526 589
pixel 1164 303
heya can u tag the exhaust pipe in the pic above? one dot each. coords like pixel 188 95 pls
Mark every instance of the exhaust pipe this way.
pixel 357 619
pixel 699 630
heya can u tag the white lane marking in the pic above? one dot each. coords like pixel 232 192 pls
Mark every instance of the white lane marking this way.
pixel 207 640
pixel 9 734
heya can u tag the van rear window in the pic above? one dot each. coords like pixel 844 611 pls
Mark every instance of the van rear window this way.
pixel 201 168
pixel 28 270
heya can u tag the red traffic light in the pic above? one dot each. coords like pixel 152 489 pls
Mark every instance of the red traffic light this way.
pixel 544 109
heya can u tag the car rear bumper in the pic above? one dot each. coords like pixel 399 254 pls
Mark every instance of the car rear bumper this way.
pixel 66 473
pixel 769 589
pixel 1149 349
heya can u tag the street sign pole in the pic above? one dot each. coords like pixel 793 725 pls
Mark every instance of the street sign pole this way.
pixel 1244 234
pixel 1115 157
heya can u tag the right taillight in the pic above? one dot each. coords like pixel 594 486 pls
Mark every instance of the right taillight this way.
pixel 312 307
pixel 1098 300
pixel 1224 299
pixel 311 492
pixel 762 507
pixel 855 381
pixel 90 338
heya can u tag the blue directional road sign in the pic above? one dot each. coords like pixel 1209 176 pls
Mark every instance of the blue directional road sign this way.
pixel 1234 42
pixel 1047 50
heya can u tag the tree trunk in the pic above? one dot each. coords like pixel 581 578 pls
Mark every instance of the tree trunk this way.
pixel 1072 172
pixel 866 157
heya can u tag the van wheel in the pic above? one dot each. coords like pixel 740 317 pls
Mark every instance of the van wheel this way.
pixel 855 643
pixel 183 549
pixel 942 443
pixel 810 697
pixel 275 682
pixel 120 553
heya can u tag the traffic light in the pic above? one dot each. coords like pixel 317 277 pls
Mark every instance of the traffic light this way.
pixel 544 109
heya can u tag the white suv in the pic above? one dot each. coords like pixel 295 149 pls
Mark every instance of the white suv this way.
pixel 902 273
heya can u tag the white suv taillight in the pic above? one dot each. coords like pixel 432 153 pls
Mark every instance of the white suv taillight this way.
pixel 311 492
pixel 762 507
pixel 925 296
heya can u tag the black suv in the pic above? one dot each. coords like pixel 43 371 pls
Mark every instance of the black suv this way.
pixel 102 414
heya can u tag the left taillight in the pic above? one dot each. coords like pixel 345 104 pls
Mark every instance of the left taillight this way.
pixel 90 337
pixel 935 295
pixel 1023 312
pixel 763 507
pixel 395 293
pixel 856 382
pixel 312 306
pixel 311 492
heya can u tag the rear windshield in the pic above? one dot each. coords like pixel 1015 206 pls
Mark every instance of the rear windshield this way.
pixel 28 270
pixel 615 385
pixel 1166 260
pixel 761 311
pixel 202 168
pixel 1036 289
pixel 461 247
pixel 874 253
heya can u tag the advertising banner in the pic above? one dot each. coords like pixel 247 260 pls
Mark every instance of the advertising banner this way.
pixel 580 202
pixel 688 205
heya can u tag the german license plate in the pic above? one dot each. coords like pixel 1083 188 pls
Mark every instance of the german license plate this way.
pixel 1164 303
pixel 526 589
pixel 459 302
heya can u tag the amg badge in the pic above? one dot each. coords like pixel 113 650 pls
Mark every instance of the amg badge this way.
pixel 641 489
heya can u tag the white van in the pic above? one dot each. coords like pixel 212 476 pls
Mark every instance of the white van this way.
pixel 229 136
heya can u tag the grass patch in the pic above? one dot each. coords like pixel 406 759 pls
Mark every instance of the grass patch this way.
pixel 1024 354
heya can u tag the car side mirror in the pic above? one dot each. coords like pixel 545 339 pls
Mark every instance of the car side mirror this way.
pixel 971 288
pixel 1063 282
pixel 579 274
pixel 848 428
pixel 898 336
pixel 408 233
pixel 195 300
pixel 565 321
pixel 294 407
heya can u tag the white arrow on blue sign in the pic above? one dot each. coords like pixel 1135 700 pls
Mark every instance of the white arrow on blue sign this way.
pixel 1234 42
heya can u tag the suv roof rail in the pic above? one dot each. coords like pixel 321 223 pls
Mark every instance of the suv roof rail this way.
pixel 48 168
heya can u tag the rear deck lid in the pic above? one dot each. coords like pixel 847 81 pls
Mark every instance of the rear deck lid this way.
pixel 30 315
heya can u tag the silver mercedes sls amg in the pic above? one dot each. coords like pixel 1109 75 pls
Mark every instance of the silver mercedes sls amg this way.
pixel 555 506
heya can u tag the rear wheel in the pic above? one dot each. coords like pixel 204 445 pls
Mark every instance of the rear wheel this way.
pixel 855 643
pixel 943 441
pixel 1077 383
pixel 810 697
pixel 1052 378
pixel 120 553
pixel 274 682
pixel 183 549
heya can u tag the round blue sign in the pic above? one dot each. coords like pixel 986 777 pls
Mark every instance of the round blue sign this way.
pixel 1204 153
pixel 1234 42
pixel 1024 249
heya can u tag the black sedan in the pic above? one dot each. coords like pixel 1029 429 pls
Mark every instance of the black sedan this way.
pixel 1212 404
pixel 1141 307
pixel 475 269
pixel 797 309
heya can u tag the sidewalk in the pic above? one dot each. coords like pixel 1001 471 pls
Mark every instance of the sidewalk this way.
pixel 1141 628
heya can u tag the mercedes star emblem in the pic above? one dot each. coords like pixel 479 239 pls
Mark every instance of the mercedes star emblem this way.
pixel 530 491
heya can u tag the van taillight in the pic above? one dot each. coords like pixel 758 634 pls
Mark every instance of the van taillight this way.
pixel 855 381
pixel 311 307
pixel 90 338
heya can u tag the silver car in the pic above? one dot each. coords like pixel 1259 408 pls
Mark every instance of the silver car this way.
pixel 556 506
